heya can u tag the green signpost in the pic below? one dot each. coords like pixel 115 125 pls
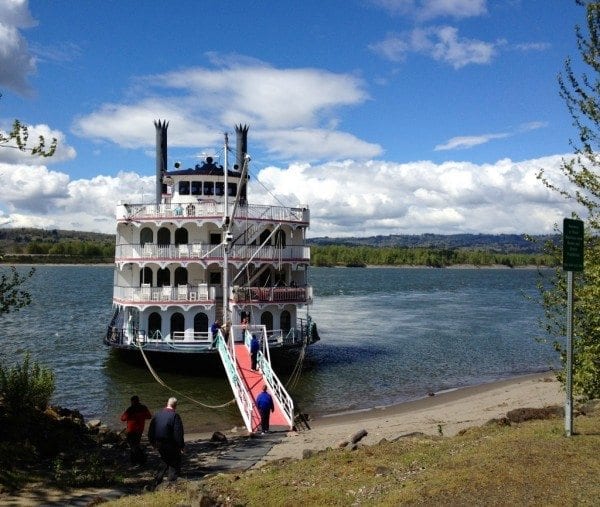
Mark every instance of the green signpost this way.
pixel 572 261
pixel 572 245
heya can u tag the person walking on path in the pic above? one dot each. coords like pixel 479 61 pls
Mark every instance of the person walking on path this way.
pixel 254 348
pixel 166 434
pixel 135 417
pixel 264 402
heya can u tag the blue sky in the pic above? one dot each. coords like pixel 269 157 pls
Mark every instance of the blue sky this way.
pixel 383 116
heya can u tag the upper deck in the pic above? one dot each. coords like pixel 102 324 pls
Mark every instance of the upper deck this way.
pixel 211 209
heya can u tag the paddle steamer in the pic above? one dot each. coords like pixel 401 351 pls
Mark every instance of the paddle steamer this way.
pixel 202 253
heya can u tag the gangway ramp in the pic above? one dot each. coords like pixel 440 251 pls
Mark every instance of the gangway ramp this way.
pixel 254 381
pixel 247 384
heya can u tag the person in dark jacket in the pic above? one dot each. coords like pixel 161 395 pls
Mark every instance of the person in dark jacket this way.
pixel 264 402
pixel 254 348
pixel 135 417
pixel 166 434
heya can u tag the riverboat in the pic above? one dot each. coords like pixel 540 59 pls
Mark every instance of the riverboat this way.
pixel 202 262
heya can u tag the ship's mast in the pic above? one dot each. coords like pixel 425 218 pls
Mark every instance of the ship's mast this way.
pixel 227 237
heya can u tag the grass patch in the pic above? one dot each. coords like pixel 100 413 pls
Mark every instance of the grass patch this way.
pixel 528 463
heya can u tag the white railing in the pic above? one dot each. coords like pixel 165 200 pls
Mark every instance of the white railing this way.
pixel 167 294
pixel 128 252
pixel 241 394
pixel 284 400
pixel 212 209
pixel 272 294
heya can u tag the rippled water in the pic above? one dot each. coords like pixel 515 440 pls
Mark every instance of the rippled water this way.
pixel 388 335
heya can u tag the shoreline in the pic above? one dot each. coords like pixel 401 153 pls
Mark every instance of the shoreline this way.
pixel 445 414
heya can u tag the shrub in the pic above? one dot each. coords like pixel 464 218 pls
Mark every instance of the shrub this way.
pixel 26 385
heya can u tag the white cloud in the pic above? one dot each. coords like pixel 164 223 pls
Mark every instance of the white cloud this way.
pixel 429 9
pixel 16 61
pixel 346 198
pixel 441 43
pixel 464 142
pixel 242 92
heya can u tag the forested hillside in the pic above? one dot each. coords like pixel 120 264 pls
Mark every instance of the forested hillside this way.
pixel 29 245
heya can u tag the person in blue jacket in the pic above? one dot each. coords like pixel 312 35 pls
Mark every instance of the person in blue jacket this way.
pixel 264 402
pixel 166 434
pixel 254 348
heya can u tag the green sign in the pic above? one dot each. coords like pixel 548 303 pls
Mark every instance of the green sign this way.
pixel 572 245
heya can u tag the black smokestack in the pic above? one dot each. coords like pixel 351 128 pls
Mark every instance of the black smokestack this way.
pixel 241 137
pixel 161 155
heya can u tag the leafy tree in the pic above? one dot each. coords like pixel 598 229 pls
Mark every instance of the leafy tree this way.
pixel 12 295
pixel 26 385
pixel 581 93
pixel 20 136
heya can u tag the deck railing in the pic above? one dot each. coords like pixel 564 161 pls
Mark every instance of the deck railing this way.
pixel 210 208
pixel 193 251
pixel 155 295
pixel 272 294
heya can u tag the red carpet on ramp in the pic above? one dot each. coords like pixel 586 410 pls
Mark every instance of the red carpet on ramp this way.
pixel 254 382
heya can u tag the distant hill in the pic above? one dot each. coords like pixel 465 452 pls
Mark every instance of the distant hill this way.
pixel 17 239
pixel 507 243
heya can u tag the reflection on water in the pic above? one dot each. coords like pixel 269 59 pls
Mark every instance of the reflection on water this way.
pixel 388 335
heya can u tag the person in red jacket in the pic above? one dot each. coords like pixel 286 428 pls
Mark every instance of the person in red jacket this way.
pixel 135 417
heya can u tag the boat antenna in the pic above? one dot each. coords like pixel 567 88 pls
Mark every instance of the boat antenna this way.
pixel 227 234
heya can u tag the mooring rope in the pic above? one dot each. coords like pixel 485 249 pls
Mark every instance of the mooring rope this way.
pixel 162 383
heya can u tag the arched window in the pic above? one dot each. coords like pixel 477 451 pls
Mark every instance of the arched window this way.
pixel 264 235
pixel 201 323
pixel 146 276
pixel 177 326
pixel 280 239
pixel 146 236
pixel 181 236
pixel 163 237
pixel 163 277
pixel 181 276
pixel 266 319
pixel 285 321
pixel 155 326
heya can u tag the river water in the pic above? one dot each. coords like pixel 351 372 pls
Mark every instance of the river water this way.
pixel 388 335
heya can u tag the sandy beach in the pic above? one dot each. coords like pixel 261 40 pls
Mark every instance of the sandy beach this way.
pixel 448 412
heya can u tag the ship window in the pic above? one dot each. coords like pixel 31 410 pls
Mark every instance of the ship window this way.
pixel 280 239
pixel 266 319
pixel 154 326
pixel 181 276
pixel 232 187
pixel 196 188
pixel 163 277
pixel 214 278
pixel 285 321
pixel 215 238
pixel 263 237
pixel 146 236
pixel 146 276
pixel 219 188
pixel 184 188
pixel 177 326
pixel 181 236
pixel 200 323
pixel 163 237
pixel 209 188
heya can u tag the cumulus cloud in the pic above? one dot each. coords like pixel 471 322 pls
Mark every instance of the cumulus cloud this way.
pixel 348 198
pixel 16 60
pixel 200 102
pixel 442 43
